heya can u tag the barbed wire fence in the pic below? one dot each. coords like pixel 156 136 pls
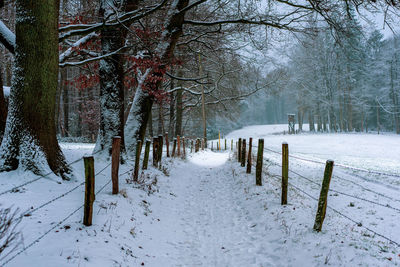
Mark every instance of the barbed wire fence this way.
pixel 13 189
pixel 37 240
pixel 335 210
pixel 30 212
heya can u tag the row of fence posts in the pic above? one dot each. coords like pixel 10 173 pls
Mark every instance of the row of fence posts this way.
pixel 323 197
pixel 178 150
pixel 219 146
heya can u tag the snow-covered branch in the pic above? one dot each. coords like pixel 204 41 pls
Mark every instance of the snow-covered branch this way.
pixel 7 37
pixel 83 62
pixel 68 53
pixel 127 18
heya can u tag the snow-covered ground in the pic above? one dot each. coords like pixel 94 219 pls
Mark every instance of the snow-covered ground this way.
pixel 206 211
pixel 367 151
pixel 6 91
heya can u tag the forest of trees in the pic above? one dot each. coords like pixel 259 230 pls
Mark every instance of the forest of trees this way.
pixel 339 83
pixel 132 68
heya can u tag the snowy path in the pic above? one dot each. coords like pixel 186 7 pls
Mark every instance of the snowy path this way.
pixel 206 222
pixel 209 213
pixel 205 211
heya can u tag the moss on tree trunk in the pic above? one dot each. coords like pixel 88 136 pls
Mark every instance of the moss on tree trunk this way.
pixel 30 136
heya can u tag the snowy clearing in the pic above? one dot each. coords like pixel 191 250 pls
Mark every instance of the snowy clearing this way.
pixel 206 211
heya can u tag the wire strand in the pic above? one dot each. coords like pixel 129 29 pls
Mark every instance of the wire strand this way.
pixel 61 222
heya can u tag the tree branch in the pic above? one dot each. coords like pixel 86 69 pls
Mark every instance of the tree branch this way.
pixel 243 21
pixel 7 37
pixel 83 62
pixel 196 80
pixel 126 19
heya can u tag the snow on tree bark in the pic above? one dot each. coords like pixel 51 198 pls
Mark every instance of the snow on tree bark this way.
pixel 3 107
pixel 111 72
pixel 30 136
pixel 144 95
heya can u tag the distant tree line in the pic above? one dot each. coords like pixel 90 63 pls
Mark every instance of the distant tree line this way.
pixel 337 81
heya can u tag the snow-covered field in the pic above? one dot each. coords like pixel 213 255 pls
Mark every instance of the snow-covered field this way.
pixel 206 211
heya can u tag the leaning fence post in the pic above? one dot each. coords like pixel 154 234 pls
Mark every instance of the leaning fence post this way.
pixel 146 155
pixel 89 190
pixel 323 197
pixel 239 149
pixel 285 172
pixel 243 157
pixel 197 146
pixel 137 160
pixel 248 170
pixel 191 146
pixel 167 144
pixel 259 161
pixel 116 142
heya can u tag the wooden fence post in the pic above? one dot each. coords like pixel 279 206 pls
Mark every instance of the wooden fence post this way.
pixel 243 157
pixel 89 190
pixel 212 145
pixel 285 172
pixel 240 150
pixel 205 142
pixel 191 146
pixel 146 155
pixel 174 148
pixel 231 144
pixel 323 197
pixel 202 144
pixel 160 149
pixel 197 145
pixel 178 140
pixel 183 148
pixel 155 151
pixel 248 170
pixel 167 143
pixel 137 160
pixel 260 158
pixel 116 148
pixel 225 144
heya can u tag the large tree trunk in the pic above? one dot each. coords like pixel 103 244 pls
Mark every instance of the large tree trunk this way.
pixel 3 107
pixel 30 137
pixel 112 106
pixel 65 98
pixel 143 101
